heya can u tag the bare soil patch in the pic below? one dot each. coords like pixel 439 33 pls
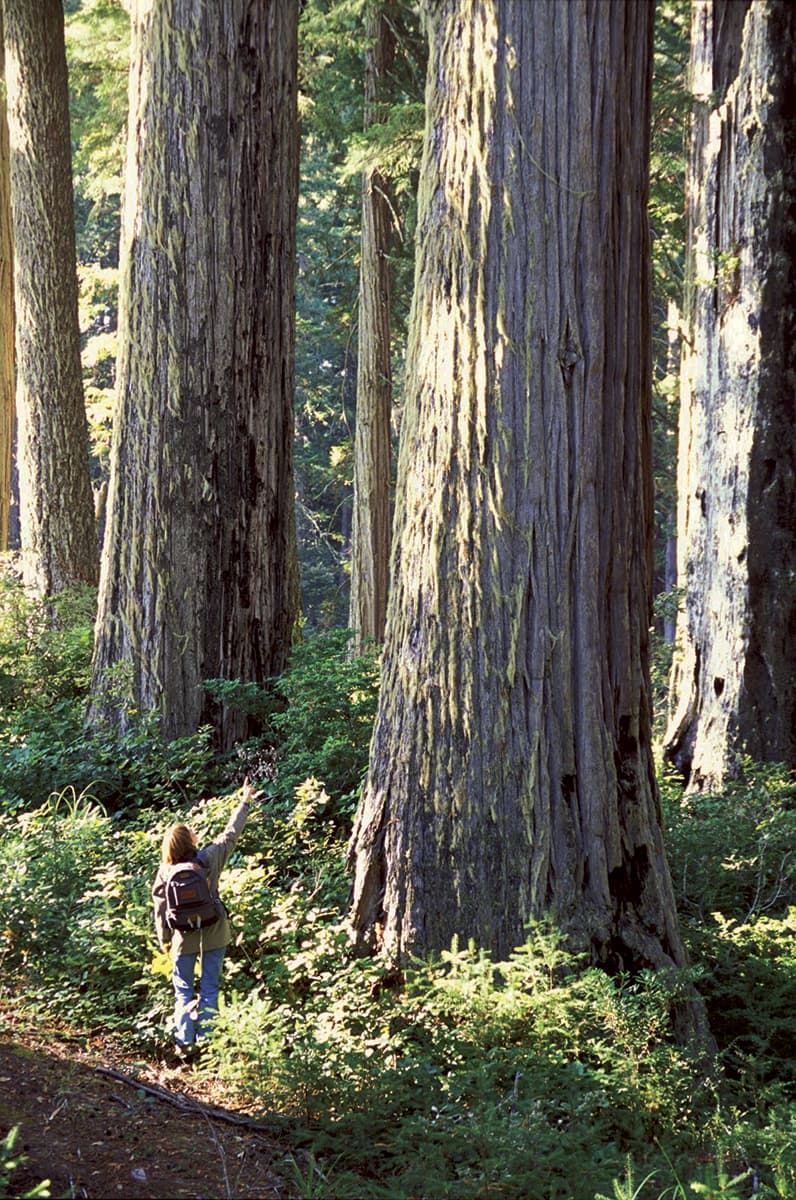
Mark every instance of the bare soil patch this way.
pixel 93 1135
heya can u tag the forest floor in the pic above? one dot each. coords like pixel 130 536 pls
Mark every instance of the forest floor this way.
pixel 96 1123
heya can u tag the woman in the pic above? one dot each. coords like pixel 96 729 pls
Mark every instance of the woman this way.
pixel 193 1024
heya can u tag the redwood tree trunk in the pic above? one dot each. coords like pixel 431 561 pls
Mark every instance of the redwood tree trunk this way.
pixel 370 544
pixel 6 311
pixel 733 690
pixel 58 530
pixel 511 769
pixel 198 572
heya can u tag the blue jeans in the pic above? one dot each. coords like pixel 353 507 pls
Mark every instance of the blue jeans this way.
pixel 194 1022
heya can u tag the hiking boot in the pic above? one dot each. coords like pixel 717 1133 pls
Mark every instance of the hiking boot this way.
pixel 187 1053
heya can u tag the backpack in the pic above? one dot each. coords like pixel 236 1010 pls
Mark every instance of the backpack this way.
pixel 190 904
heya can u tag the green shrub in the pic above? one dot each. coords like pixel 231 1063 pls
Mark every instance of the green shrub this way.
pixel 735 873
pixel 45 646
pixel 535 1077
pixel 771 1139
pixel 9 1161
pixel 45 668
pixel 48 854
pixel 732 853
pixel 515 1076
pixel 46 752
pixel 45 748
pixel 75 909
pixel 317 722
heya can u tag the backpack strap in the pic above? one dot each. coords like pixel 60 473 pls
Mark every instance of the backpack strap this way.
pixel 201 858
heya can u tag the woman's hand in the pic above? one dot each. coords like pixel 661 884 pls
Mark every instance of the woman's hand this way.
pixel 248 793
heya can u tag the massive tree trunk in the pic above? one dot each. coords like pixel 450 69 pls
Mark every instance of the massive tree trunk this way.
pixel 6 311
pixel 198 571
pixel 59 540
pixel 733 689
pixel 511 769
pixel 370 544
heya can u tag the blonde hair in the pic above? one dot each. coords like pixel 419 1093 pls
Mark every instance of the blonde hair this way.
pixel 179 844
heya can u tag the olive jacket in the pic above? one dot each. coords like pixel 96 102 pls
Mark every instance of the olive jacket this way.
pixel 215 855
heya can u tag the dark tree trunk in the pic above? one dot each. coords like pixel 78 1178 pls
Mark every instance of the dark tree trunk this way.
pixel 58 531
pixel 198 574
pixel 511 770
pixel 734 681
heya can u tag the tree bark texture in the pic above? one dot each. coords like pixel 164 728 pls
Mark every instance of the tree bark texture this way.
pixel 198 564
pixel 372 517
pixel 7 404
pixel 733 682
pixel 58 531
pixel 511 771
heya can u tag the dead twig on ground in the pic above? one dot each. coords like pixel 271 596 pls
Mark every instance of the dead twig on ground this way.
pixel 276 1126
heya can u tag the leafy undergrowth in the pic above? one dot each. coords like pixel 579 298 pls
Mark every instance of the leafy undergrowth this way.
pixel 537 1078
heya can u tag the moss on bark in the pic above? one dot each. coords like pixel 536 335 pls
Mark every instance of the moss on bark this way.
pixel 58 531
pixel 511 771
pixel 198 579
pixel 733 680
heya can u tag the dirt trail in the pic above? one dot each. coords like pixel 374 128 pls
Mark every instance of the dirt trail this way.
pixel 94 1136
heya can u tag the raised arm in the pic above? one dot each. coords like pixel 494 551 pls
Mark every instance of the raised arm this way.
pixel 222 848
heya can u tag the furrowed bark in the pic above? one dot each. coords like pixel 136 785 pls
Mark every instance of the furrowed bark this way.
pixel 733 691
pixel 198 574
pixel 6 311
pixel 511 770
pixel 370 539
pixel 58 531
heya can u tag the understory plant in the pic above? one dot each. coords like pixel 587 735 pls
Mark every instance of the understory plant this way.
pixel 733 861
pixel 10 1159
pixel 45 746
pixel 316 721
pixel 535 1077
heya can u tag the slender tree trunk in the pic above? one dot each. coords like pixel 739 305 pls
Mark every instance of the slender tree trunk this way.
pixel 670 624
pixel 6 311
pixel 511 770
pixel 198 568
pixel 733 689
pixel 370 546
pixel 673 355
pixel 56 505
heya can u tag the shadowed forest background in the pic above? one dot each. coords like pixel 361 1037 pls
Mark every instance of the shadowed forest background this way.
pixel 417 442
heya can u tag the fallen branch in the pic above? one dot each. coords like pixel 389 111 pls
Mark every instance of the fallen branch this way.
pixel 193 1106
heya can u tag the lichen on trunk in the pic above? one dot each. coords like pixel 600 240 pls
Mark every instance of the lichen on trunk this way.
pixel 198 575
pixel 733 688
pixel 511 769
pixel 58 531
